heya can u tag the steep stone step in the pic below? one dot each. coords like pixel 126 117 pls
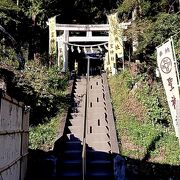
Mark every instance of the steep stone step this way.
pixel 97 99
pixel 98 137
pixel 76 129
pixel 96 110
pixel 70 169
pixel 99 146
pixel 73 145
pixel 72 137
pixel 70 175
pixel 71 166
pixel 100 175
pixel 99 166
pixel 79 93
pixel 72 154
pixel 80 87
pixel 98 155
pixel 76 121
pixel 75 115
pixel 96 91
pixel 97 105
pixel 96 122
pixel 97 129
pixel 95 116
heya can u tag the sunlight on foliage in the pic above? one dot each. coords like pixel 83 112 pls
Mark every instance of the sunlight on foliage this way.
pixel 151 138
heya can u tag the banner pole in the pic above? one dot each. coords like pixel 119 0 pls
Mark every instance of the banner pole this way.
pixel 175 59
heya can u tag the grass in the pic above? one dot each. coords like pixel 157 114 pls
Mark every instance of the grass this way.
pixel 49 93
pixel 44 135
pixel 139 132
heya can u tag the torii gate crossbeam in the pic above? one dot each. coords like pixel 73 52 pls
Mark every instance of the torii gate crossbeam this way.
pixel 81 27
pixel 89 28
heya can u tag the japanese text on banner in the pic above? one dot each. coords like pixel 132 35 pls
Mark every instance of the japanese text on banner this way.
pixel 167 69
pixel 115 40
pixel 115 34
pixel 52 36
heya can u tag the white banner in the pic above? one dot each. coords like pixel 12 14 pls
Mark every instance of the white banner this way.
pixel 52 35
pixel 166 64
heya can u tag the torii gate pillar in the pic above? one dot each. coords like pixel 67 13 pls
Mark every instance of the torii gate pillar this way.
pixel 65 52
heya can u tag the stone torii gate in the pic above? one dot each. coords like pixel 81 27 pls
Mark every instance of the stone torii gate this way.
pixel 65 38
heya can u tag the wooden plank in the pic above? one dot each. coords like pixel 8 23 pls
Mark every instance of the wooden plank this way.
pixel 12 132
pixel 25 121
pixel 12 100
pixel 24 161
pixel 10 146
pixel 12 173
pixel 11 116
pixel 24 143
pixel 12 163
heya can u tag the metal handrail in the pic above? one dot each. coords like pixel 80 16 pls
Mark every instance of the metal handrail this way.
pixel 85 122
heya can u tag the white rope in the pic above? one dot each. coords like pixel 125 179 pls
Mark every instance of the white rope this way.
pixel 80 45
pixel 79 50
pixel 91 49
pixel 67 47
pixel 105 47
pixel 72 49
pixel 99 47
pixel 85 51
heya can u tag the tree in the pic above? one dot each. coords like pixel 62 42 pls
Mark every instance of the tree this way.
pixel 27 21
pixel 154 23
pixel 7 11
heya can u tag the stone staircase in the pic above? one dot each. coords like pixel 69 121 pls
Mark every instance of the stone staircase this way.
pixel 70 162
pixel 99 159
pixel 99 163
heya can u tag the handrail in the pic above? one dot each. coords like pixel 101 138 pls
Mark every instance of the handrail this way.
pixel 85 122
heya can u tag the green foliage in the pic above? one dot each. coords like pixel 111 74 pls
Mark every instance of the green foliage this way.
pixel 49 91
pixel 27 21
pixel 48 102
pixel 44 135
pixel 153 98
pixel 45 91
pixel 165 26
pixel 145 8
pixel 55 81
pixel 151 138
pixel 155 23
pixel 7 11
pixel 8 56
pixel 35 8
pixel 127 6
pixel 8 5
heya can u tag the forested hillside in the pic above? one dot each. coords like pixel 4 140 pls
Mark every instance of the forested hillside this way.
pixel 152 23
pixel 144 126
